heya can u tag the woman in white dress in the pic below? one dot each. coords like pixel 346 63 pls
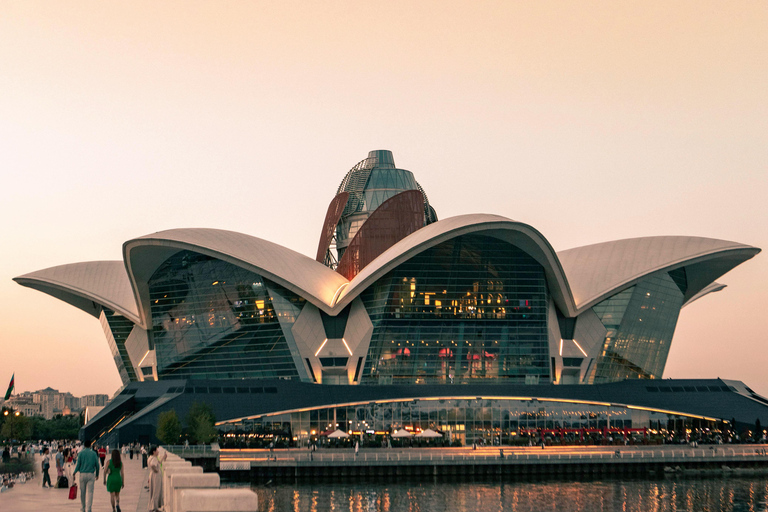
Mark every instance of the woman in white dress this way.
pixel 155 479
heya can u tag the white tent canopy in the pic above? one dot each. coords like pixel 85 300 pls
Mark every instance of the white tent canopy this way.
pixel 402 433
pixel 337 434
pixel 429 433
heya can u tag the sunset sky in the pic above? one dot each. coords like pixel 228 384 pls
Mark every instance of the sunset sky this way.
pixel 591 121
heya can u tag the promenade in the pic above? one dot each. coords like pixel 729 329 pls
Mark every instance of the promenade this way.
pixel 31 497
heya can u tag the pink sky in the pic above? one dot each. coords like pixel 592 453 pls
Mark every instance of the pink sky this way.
pixel 591 121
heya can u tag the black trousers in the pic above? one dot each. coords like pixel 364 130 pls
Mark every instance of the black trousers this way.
pixel 46 478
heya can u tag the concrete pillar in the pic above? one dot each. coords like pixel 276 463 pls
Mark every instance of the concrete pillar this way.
pixel 181 481
pixel 175 470
pixel 217 500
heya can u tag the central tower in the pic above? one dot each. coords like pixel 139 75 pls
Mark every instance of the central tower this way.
pixel 375 206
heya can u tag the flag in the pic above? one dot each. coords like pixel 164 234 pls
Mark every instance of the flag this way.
pixel 10 387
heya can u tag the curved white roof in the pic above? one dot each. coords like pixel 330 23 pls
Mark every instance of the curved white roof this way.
pixel 598 271
pixel 578 278
pixel 517 233
pixel 296 272
pixel 81 284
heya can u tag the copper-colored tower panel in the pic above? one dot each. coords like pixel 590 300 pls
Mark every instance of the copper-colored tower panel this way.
pixel 395 219
pixel 332 217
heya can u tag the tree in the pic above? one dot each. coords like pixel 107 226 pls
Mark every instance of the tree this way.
pixel 17 428
pixel 168 427
pixel 200 423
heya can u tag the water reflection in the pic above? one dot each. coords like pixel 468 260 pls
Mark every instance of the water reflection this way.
pixel 728 495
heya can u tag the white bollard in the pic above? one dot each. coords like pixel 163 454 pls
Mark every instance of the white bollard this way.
pixel 181 481
pixel 217 500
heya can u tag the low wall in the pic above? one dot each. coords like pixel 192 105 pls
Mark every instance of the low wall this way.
pixel 187 489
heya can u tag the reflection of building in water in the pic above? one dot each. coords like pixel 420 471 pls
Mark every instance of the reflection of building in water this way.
pixel 606 495
pixel 394 298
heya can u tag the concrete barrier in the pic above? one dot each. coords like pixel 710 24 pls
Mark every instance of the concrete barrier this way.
pixel 175 469
pixel 180 481
pixel 217 500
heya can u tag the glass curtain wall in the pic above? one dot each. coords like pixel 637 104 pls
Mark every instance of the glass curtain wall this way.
pixel 640 322
pixel 463 421
pixel 214 320
pixel 474 307
pixel 117 328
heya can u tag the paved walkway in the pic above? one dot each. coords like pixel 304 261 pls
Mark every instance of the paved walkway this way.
pixel 31 497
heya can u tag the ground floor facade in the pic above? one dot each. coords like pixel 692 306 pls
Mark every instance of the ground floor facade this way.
pixel 257 412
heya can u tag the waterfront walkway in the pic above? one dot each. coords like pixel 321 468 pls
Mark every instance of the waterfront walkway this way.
pixel 31 497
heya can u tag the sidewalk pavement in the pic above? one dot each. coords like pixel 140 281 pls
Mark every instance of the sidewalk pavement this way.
pixel 31 497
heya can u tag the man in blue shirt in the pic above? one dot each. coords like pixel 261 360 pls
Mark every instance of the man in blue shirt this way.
pixel 88 467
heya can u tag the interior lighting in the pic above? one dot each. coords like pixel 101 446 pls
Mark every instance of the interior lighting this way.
pixel 561 347
pixel 345 345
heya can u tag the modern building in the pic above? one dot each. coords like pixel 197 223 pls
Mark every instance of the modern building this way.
pixel 401 320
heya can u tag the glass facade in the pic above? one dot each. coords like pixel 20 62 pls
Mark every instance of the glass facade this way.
pixel 474 307
pixel 640 322
pixel 496 421
pixel 214 320
pixel 117 328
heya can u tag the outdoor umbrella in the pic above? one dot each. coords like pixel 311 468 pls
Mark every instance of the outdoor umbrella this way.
pixel 429 433
pixel 337 434
pixel 402 433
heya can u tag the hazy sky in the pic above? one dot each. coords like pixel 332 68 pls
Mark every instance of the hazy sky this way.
pixel 591 121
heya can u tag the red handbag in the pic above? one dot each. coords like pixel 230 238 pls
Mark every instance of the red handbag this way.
pixel 73 492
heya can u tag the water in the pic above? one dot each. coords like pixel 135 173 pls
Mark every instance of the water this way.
pixel 664 495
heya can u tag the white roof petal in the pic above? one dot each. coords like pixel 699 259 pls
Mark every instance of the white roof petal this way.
pixel 517 233
pixel 598 271
pixel 296 272
pixel 714 287
pixel 105 283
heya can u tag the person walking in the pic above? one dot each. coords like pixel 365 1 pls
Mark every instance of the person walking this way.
pixel 46 465
pixel 60 468
pixel 69 465
pixel 102 455
pixel 114 479
pixel 143 456
pixel 88 467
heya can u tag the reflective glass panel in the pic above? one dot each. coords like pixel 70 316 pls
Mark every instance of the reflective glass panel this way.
pixel 471 308
pixel 640 322
pixel 117 328
pixel 214 320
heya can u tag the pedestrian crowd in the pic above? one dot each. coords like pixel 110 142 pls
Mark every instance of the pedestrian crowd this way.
pixel 78 466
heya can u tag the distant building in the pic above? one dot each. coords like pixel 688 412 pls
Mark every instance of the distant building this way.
pixel 71 402
pixel 25 404
pixel 50 400
pixel 93 401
